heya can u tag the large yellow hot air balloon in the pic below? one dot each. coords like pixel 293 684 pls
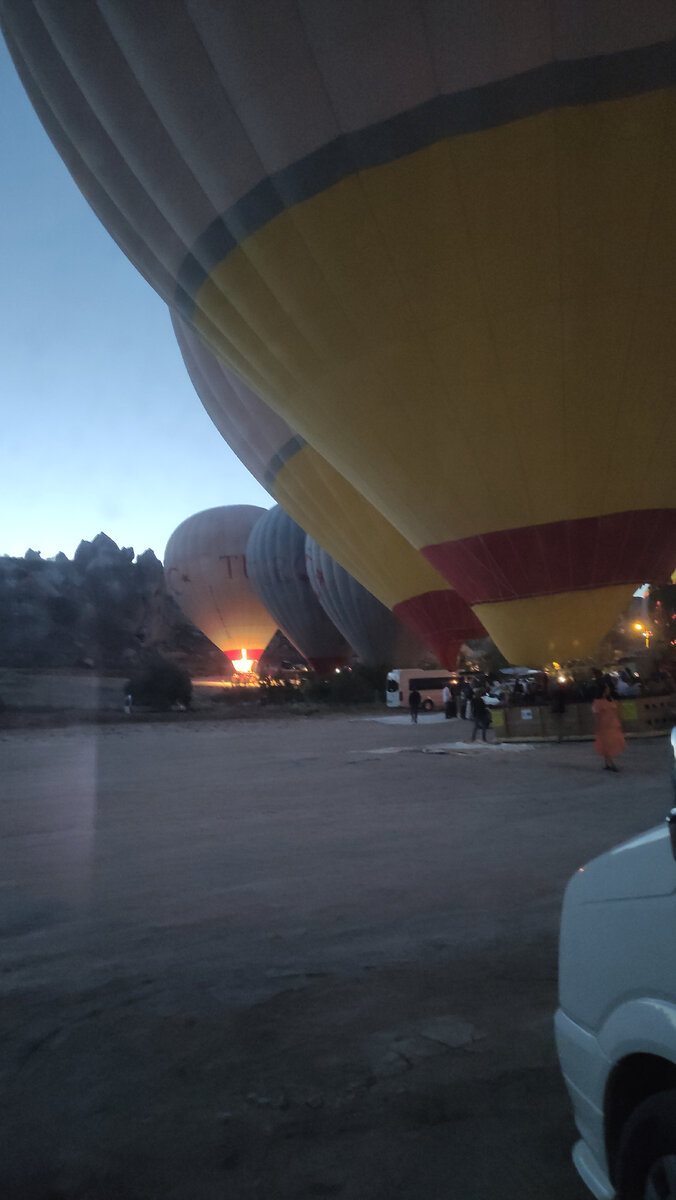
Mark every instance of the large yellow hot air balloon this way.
pixel 206 573
pixel 440 239
pixel 329 509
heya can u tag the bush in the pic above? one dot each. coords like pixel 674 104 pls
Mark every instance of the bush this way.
pixel 160 684
pixel 360 685
pixel 279 690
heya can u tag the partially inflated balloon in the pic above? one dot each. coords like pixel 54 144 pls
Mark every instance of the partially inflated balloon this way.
pixel 328 508
pixel 275 559
pixel 375 633
pixel 440 239
pixel 206 573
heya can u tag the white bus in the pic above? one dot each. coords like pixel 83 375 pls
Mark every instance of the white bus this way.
pixel 430 684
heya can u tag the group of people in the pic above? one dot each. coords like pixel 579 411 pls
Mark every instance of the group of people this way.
pixel 470 698
pixel 625 683
pixel 467 699
pixel 465 696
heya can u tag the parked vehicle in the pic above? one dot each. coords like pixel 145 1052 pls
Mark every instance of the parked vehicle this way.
pixel 430 684
pixel 616 1021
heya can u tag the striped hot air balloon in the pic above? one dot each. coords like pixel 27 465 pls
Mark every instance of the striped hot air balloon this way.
pixel 275 560
pixel 377 636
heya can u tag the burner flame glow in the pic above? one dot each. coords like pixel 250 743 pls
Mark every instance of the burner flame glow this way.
pixel 243 665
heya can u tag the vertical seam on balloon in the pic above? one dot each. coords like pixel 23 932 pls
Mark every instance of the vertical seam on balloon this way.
pixel 556 129
pixel 640 290
pixel 463 424
pixel 228 426
pixel 290 210
pixel 415 323
pixel 220 614
pixel 225 350
pixel 516 447
pixel 166 222
pixel 285 210
pixel 230 350
pixel 94 108
pixel 235 417
pixel 558 172
pixel 232 347
pixel 658 437
pixel 358 181
pixel 123 47
pixel 268 387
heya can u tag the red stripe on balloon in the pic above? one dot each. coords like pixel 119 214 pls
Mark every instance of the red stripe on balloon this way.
pixel 253 655
pixel 564 556
pixel 443 620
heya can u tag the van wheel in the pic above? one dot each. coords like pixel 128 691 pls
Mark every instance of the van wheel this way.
pixel 428 706
pixel 646 1156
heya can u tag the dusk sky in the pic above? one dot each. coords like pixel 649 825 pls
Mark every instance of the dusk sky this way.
pixel 102 429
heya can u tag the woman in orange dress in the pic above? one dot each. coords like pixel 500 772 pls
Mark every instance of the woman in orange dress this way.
pixel 608 727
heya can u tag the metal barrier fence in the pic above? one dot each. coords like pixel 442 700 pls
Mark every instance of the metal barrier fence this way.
pixel 649 716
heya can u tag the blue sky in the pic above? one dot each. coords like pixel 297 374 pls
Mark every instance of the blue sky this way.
pixel 101 427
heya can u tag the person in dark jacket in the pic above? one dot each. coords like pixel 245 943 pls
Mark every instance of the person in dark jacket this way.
pixel 414 699
pixel 466 694
pixel 559 704
pixel 481 715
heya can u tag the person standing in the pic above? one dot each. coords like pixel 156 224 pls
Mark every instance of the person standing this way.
pixel 480 714
pixel 449 700
pixel 608 728
pixel 414 704
pixel 559 704
pixel 466 694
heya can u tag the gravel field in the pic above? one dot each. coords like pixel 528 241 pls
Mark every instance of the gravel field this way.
pixel 290 958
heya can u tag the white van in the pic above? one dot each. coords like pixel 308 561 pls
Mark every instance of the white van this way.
pixel 616 1022
pixel 430 684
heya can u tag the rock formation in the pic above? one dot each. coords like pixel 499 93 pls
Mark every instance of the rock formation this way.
pixel 101 609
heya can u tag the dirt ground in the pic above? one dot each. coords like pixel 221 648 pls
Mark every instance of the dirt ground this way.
pixel 292 958
pixel 32 698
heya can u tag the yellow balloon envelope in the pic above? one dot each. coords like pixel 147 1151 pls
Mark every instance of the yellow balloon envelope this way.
pixel 439 239
pixel 328 508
